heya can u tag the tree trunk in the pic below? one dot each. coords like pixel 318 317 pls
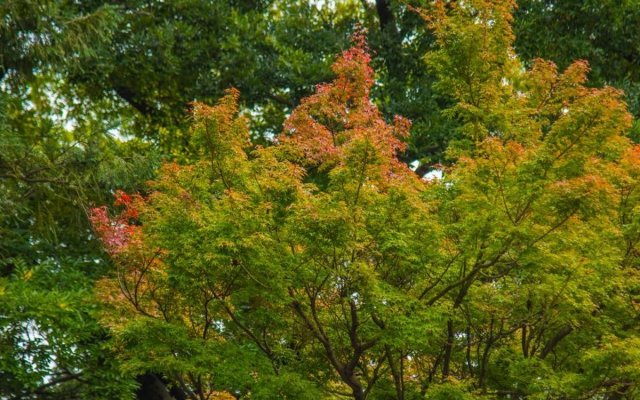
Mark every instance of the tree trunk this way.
pixel 152 388
pixel 447 350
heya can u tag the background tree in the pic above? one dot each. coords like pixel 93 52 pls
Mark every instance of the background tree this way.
pixel 602 32
pixel 49 260
pixel 152 58
pixel 57 158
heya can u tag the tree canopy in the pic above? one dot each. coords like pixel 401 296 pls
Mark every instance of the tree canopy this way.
pixel 189 212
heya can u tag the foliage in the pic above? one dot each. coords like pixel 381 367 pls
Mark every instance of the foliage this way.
pixel 603 32
pixel 52 344
pixel 150 59
pixel 309 262
pixel 50 174
pixel 325 260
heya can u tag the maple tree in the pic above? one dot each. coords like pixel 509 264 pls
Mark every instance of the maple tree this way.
pixel 323 267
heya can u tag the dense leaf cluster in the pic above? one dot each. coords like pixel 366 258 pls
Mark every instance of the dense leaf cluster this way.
pixel 326 261
pixel 277 246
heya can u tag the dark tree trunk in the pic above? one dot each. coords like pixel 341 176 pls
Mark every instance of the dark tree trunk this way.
pixel 447 350
pixel 152 387
pixel 384 13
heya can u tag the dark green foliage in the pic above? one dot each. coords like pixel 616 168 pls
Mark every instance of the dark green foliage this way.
pixel 55 162
pixel 605 33
pixel 52 346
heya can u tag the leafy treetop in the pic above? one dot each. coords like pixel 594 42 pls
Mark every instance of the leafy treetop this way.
pixel 323 267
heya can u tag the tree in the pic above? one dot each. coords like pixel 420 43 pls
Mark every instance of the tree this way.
pixel 155 57
pixel 150 59
pixel 602 32
pixel 543 140
pixel 61 152
pixel 297 245
pixel 50 175
pixel 324 261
